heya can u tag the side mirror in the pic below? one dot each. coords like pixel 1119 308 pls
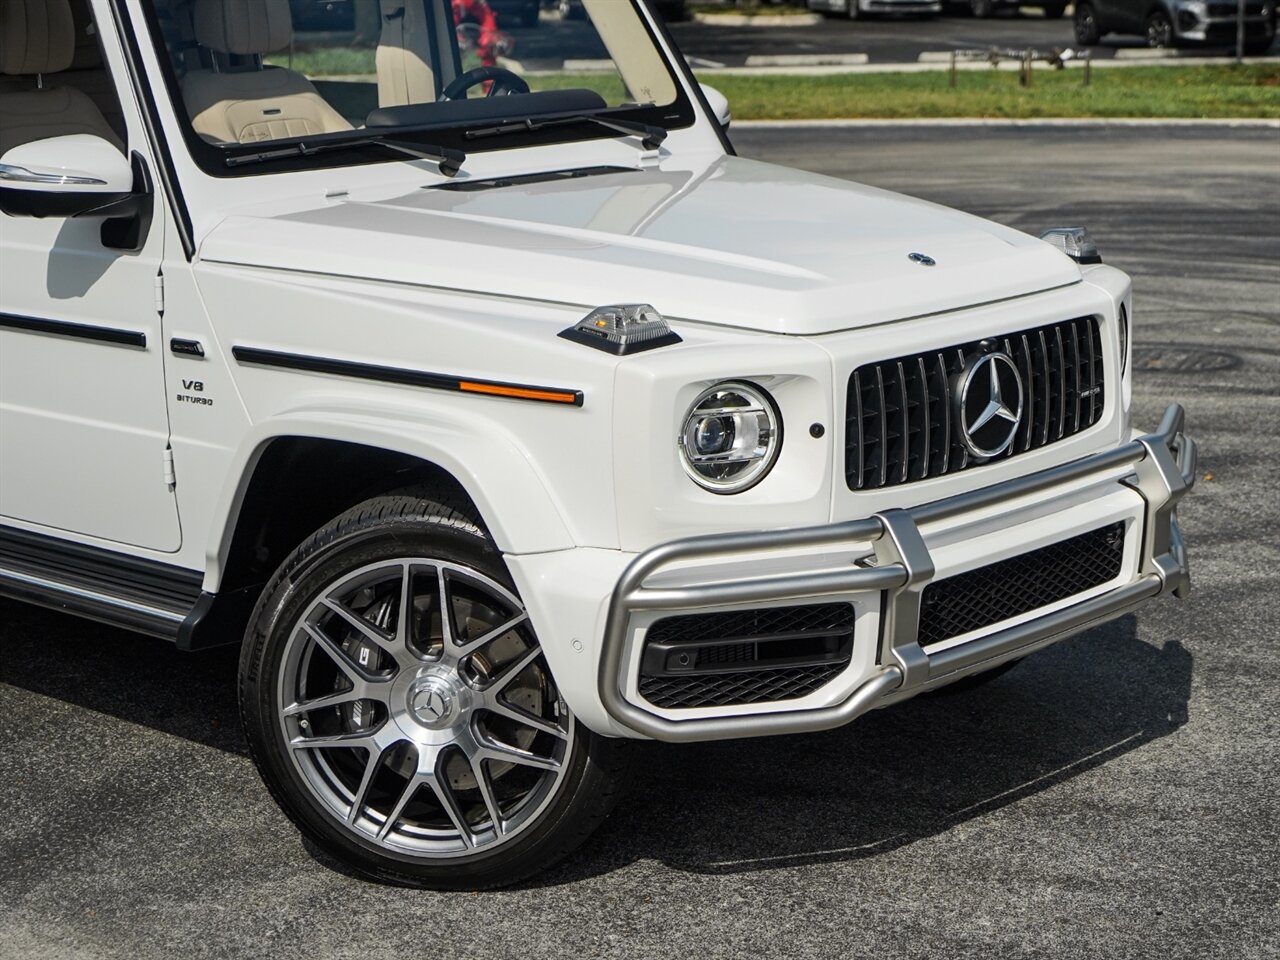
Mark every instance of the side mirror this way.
pixel 719 105
pixel 73 176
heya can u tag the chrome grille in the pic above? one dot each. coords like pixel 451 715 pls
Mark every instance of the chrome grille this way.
pixel 899 412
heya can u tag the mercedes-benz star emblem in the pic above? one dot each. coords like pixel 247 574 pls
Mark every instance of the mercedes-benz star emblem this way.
pixel 923 259
pixel 988 404
pixel 431 702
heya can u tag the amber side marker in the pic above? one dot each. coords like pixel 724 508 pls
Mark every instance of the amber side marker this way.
pixel 520 393
pixel 411 378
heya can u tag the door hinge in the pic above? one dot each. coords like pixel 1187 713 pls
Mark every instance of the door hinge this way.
pixel 170 477
pixel 160 293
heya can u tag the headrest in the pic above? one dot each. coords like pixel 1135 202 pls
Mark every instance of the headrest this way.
pixel 36 36
pixel 242 27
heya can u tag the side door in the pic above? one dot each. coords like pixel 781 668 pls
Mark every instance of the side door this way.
pixel 84 430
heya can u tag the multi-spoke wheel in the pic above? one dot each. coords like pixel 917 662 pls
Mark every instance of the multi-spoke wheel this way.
pixel 399 704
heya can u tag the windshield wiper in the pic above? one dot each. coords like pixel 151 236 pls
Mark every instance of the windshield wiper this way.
pixel 450 161
pixel 652 137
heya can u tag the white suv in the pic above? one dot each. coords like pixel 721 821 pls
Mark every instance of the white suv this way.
pixel 504 416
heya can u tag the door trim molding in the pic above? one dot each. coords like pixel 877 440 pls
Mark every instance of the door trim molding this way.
pixel 77 331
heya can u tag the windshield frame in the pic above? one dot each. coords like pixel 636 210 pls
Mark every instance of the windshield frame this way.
pixel 212 158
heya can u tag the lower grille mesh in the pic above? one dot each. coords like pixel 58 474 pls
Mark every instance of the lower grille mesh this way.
pixel 747 656
pixel 725 689
pixel 1018 585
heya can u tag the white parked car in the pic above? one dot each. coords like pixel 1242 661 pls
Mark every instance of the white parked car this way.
pixel 507 419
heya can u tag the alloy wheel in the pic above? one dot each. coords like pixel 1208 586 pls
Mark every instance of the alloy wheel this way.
pixel 418 709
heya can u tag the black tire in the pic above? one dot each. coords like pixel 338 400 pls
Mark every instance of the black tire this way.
pixel 1054 11
pixel 974 680
pixel 1159 30
pixel 982 9
pixel 577 799
pixel 1086 27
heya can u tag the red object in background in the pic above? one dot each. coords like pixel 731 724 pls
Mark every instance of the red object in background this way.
pixel 489 43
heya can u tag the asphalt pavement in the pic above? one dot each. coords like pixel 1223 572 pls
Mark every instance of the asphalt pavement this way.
pixel 1114 796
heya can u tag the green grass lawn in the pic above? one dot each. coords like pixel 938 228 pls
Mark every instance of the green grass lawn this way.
pixel 1207 91
pixel 1250 91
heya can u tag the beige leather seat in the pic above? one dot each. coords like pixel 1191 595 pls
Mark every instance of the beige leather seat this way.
pixel 240 101
pixel 38 41
pixel 404 53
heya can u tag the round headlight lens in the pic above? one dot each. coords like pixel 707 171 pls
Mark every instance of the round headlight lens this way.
pixel 731 437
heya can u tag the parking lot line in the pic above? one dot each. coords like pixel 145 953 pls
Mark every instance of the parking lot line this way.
pixel 806 59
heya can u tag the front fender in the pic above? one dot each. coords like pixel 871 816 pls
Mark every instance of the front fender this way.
pixel 512 499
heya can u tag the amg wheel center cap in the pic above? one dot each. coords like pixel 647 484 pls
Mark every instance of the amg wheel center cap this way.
pixel 433 702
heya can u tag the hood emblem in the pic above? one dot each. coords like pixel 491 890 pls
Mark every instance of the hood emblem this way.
pixel 988 402
pixel 923 259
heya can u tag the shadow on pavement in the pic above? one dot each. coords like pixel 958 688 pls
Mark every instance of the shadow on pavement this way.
pixel 892 777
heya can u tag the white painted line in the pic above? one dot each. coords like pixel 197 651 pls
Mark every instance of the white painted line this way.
pixel 934 56
pixel 1074 65
pixel 1146 53
pixel 764 20
pixel 1003 122
pixel 807 59
pixel 589 66
pixel 704 62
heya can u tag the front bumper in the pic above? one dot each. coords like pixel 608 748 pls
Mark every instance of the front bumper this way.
pixel 1162 466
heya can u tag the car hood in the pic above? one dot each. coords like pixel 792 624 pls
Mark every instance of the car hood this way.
pixel 737 243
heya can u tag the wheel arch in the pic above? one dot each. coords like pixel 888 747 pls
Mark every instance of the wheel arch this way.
pixel 293 475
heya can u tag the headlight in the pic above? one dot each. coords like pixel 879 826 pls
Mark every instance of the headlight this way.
pixel 730 437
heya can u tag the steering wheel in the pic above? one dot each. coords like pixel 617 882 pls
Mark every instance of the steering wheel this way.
pixel 504 83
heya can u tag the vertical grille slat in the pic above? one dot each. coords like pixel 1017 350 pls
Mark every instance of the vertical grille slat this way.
pixel 899 415
pixel 855 428
pixel 944 387
pixel 1028 400
pixel 1061 365
pixel 1045 390
pixel 884 429
pixel 1077 395
pixel 904 403
pixel 926 420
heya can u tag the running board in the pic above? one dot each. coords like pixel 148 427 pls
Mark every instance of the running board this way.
pixel 103 585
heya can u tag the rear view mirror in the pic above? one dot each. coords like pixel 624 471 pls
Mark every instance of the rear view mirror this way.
pixel 73 176
pixel 719 105
pixel 79 175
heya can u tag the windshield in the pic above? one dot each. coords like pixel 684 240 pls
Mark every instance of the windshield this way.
pixel 245 73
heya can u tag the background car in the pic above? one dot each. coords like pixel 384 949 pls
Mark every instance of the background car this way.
pixel 1171 23
pixel 854 9
pixel 670 10
pixel 1053 9
pixel 513 13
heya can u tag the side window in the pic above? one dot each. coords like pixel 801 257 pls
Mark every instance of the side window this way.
pixel 53 77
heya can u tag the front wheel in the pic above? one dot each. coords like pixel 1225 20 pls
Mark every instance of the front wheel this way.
pixel 1159 30
pixel 1086 25
pixel 399 706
